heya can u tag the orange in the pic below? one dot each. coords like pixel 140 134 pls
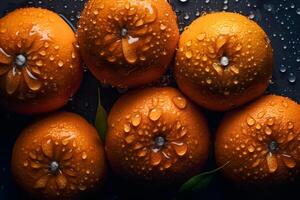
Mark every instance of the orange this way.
pixel 156 134
pixel 39 63
pixel 224 60
pixel 58 157
pixel 127 43
pixel 261 142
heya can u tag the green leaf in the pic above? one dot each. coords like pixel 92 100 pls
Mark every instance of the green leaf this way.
pixel 197 183
pixel 101 119
pixel 200 181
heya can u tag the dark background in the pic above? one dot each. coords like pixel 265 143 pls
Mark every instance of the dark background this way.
pixel 279 18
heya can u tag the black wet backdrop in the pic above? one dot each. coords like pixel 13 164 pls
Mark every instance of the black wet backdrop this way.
pixel 280 19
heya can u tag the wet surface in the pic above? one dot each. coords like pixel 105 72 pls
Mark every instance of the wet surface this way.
pixel 280 19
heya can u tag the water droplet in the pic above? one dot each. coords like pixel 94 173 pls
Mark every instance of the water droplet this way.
pixel 272 162
pixel 251 148
pixel 155 158
pixel 218 69
pixel 155 114
pixel 251 15
pixel 290 137
pixel 288 161
pixel 186 16
pixel 68 155
pixel 129 139
pixel 138 146
pixel 25 164
pixel 32 82
pixel 47 148
pixel 46 44
pixel 65 141
pixel 70 172
pixel 180 102
pixel 250 121
pixel 284 104
pixel 167 164
pixel 292 78
pixel 221 41
pixel 268 7
pixel 290 125
pixel 201 36
pixel 42 53
pixel 51 58
pixel 96 12
pixel 73 55
pixel 84 155
pixel 39 63
pixel 268 131
pixel 142 153
pixel 136 119
pixel 260 114
pixel 41 182
pixel 270 121
pixel 163 27
pixel 238 47
pixel 204 58
pixel 32 155
pixel 61 181
pixel 189 54
pixel 60 63
pixel 82 187
pixel 127 128
pixel 3 30
pixel 234 69
pixel 129 48
pixel 180 148
pixel 256 163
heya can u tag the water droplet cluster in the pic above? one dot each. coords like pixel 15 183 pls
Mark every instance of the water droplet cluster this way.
pixel 55 164
pixel 154 136
pixel 223 62
pixel 58 157
pixel 30 63
pixel 128 35
pixel 266 143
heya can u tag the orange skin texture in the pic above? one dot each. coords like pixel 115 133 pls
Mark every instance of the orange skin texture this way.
pixel 115 60
pixel 71 141
pixel 132 131
pixel 53 61
pixel 244 139
pixel 198 69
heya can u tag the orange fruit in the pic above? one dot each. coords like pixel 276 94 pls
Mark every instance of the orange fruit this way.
pixel 155 134
pixel 58 157
pixel 127 43
pixel 39 64
pixel 224 60
pixel 261 141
